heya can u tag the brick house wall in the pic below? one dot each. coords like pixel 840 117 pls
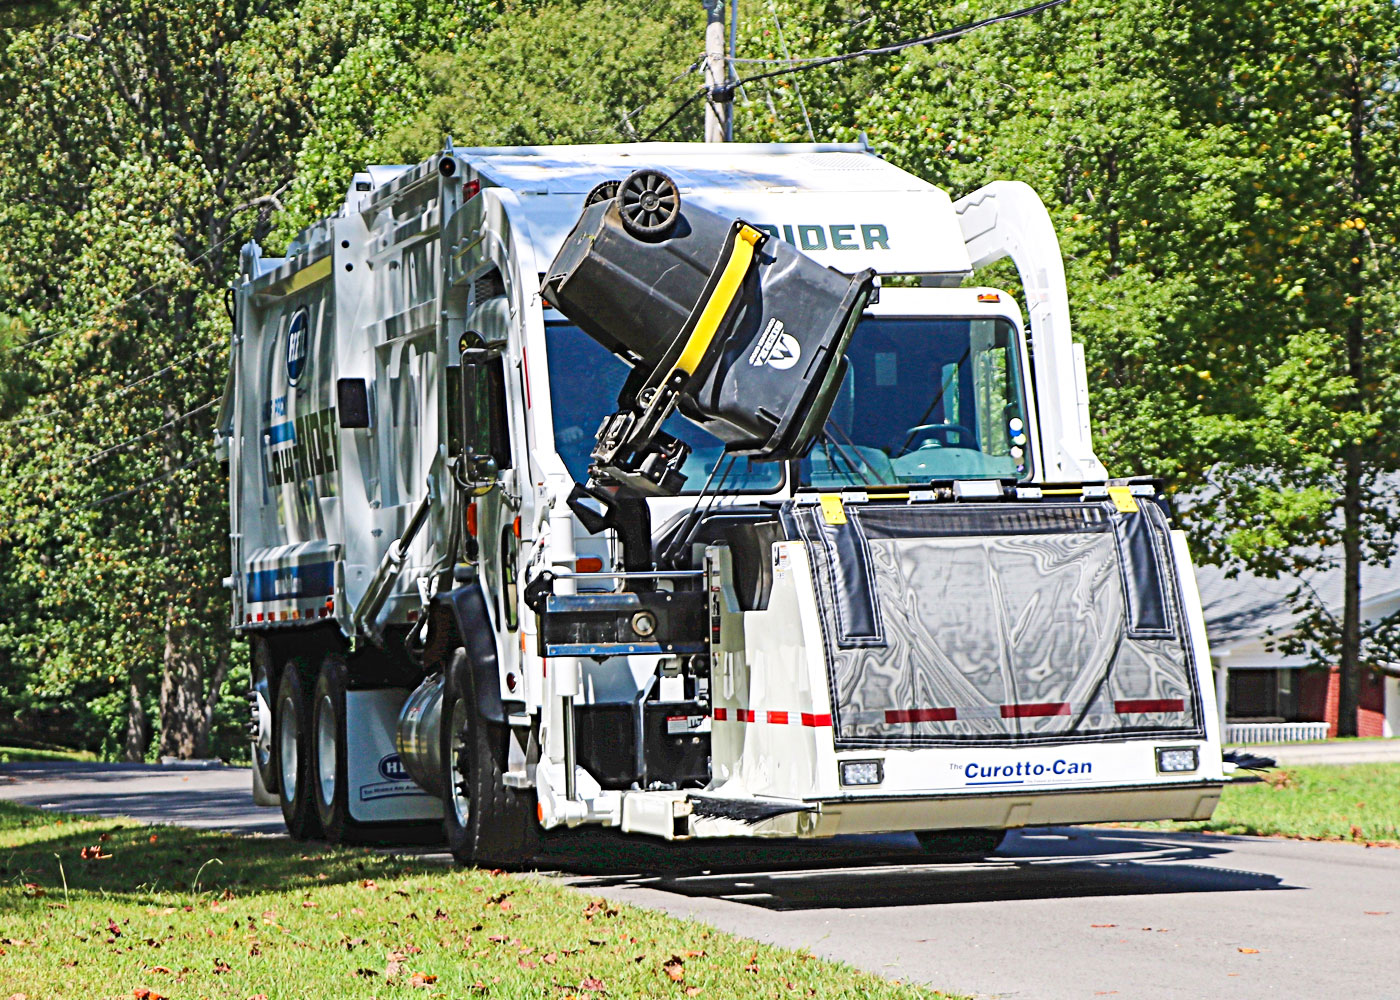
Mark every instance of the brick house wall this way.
pixel 1321 692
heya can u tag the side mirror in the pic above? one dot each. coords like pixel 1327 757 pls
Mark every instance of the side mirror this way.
pixel 481 423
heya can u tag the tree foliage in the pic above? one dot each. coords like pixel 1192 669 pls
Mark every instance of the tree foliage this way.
pixel 1220 179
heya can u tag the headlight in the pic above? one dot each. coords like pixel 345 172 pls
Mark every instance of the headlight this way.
pixel 1171 760
pixel 862 772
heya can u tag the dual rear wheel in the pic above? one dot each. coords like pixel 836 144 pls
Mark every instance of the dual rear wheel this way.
pixel 310 751
pixel 485 822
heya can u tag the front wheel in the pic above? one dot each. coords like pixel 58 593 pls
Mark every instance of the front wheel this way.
pixel 292 722
pixel 485 823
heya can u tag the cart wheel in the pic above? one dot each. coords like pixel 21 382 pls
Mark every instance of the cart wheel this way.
pixel 602 192
pixel 650 204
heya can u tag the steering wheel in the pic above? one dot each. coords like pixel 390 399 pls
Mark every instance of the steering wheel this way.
pixel 939 435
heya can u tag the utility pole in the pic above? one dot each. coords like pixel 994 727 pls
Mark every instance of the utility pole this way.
pixel 717 113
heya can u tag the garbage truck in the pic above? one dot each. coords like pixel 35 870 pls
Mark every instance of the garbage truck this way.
pixel 693 491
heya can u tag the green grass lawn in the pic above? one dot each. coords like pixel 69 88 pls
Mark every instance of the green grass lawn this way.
pixel 17 755
pixel 1329 802
pixel 104 908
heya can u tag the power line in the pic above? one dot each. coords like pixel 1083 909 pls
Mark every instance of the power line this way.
pixel 782 40
pixel 233 234
pixel 122 494
pixel 7 527
pixel 178 363
pixel 99 455
pixel 726 91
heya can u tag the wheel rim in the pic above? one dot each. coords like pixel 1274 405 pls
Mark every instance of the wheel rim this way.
pixel 325 749
pixel 461 801
pixel 287 749
pixel 649 201
pixel 262 713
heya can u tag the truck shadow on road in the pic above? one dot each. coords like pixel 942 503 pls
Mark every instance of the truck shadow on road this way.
pixel 857 872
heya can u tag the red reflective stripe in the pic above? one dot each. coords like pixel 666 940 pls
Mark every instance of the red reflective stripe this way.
pixel 894 716
pixel 772 718
pixel 1150 705
pixel 1034 710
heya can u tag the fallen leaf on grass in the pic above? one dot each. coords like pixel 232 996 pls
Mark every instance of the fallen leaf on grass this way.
pixel 160 969
pixel 674 968
pixel 549 959
pixel 94 853
pixel 692 991
pixel 220 967
pixel 753 964
pixel 366 973
pixel 591 984
pixel 1249 951
pixel 422 979
pixel 258 996
pixel 146 993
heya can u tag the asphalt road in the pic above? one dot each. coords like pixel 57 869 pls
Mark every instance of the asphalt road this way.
pixel 1058 913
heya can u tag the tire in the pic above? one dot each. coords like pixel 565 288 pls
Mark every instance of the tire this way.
pixel 960 845
pixel 293 751
pixel 605 191
pixel 264 677
pixel 649 203
pixel 484 822
pixel 330 771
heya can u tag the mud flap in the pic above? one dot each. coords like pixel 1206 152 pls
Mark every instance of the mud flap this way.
pixel 380 789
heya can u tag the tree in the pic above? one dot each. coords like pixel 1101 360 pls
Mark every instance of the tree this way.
pixel 1310 480
pixel 154 138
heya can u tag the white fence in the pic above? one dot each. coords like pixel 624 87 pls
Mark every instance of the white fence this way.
pixel 1275 732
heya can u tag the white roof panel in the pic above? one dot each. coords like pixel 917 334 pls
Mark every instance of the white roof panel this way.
pixel 840 204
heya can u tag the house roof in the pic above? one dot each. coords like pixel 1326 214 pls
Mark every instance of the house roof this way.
pixel 1248 607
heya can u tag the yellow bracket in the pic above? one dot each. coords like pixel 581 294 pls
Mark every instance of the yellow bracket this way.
pixel 1122 497
pixel 833 511
pixel 741 255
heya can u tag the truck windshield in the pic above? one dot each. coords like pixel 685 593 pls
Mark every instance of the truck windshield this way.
pixel 925 398
pixel 584 380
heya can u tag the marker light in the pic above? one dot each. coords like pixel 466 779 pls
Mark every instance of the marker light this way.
pixel 1176 759
pixel 862 772
pixel 988 297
